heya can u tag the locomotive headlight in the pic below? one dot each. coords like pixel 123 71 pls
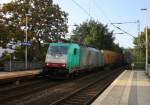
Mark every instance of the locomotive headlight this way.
pixel 47 64
pixel 64 65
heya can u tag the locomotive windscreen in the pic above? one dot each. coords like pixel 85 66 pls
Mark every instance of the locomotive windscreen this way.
pixel 57 54
pixel 53 50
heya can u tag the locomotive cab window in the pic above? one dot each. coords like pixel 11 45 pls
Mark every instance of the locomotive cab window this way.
pixel 63 50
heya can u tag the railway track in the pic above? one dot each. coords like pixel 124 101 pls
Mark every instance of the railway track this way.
pixel 22 93
pixel 16 92
pixel 46 92
pixel 85 95
pixel 18 84
pixel 53 93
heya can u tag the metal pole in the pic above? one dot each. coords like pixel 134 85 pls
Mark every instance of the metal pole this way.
pixel 140 41
pixel 146 42
pixel 10 64
pixel 26 49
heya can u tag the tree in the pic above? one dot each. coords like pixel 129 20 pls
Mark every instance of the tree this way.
pixel 4 35
pixel 5 56
pixel 8 33
pixel 47 21
pixel 140 45
pixel 95 34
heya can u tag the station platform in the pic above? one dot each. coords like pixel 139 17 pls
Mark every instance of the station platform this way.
pixel 130 88
pixel 18 74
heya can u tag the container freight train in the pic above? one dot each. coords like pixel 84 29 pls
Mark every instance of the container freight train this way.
pixel 64 59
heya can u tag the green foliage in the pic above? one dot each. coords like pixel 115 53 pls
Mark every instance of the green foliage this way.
pixel 4 35
pixel 46 22
pixel 7 34
pixel 95 34
pixel 19 53
pixel 140 46
pixel 5 56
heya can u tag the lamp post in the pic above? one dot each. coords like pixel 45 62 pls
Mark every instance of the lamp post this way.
pixel 146 39
pixel 10 63
pixel 26 40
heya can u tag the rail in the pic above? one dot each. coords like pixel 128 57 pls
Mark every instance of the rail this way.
pixel 88 93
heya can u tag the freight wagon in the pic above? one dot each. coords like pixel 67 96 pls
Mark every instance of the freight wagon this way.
pixel 127 57
pixel 65 59
pixel 112 59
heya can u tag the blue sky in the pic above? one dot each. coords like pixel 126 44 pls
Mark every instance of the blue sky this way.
pixel 102 10
pixel 115 10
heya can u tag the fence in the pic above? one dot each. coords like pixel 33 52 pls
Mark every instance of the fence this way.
pixel 139 65
pixel 149 69
pixel 20 65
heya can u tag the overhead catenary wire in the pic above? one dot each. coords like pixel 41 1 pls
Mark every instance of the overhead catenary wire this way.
pixel 122 30
pixel 103 12
pixel 110 22
pixel 84 10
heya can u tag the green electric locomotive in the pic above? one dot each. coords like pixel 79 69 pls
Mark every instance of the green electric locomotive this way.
pixel 70 58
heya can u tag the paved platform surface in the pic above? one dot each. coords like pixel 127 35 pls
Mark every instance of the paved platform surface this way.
pixel 130 88
pixel 15 74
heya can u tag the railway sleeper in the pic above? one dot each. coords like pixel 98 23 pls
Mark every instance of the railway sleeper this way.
pixel 80 97
pixel 76 100
pixel 92 94
pixel 72 103
pixel 89 94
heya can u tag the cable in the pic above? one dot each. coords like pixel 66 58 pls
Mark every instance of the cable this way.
pixel 102 11
pixel 104 15
pixel 123 30
pixel 82 8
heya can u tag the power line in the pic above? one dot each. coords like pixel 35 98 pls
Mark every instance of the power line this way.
pixel 85 11
pixel 103 12
pixel 123 30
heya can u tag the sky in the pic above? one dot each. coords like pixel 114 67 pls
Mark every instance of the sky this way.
pixel 113 10
pixel 105 10
pixel 4 1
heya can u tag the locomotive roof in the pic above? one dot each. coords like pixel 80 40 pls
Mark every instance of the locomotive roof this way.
pixel 63 44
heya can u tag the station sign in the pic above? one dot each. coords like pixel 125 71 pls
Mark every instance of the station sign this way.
pixel 26 43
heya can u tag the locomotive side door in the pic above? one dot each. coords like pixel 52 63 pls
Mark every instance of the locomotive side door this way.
pixel 76 57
